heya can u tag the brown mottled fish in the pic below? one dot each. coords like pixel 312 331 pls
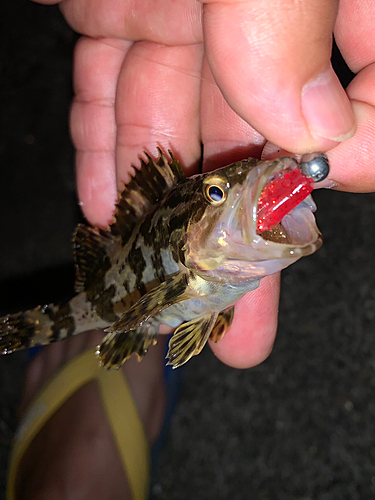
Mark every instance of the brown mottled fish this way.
pixel 180 252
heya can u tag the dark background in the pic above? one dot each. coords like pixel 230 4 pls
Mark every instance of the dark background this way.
pixel 299 426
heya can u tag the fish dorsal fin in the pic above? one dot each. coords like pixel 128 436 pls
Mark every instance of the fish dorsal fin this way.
pixel 147 186
pixel 92 250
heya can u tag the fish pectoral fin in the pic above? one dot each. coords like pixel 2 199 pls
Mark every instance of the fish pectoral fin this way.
pixel 135 331
pixel 223 322
pixel 189 339
pixel 116 347
pixel 174 289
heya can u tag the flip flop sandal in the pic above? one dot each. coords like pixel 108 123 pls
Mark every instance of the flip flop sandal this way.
pixel 117 401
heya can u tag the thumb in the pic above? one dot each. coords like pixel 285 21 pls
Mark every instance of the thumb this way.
pixel 271 61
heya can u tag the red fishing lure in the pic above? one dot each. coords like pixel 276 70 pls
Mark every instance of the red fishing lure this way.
pixel 280 196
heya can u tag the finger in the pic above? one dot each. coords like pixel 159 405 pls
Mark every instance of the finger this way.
pixel 352 162
pixel 354 33
pixel 250 339
pixel 165 21
pixel 93 125
pixel 225 135
pixel 272 63
pixel 157 104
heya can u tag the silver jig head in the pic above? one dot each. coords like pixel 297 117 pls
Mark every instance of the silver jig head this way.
pixel 315 166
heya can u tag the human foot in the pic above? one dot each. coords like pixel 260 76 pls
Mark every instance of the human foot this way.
pixel 74 455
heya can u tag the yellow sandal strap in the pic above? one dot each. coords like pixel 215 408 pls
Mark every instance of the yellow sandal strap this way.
pixel 122 415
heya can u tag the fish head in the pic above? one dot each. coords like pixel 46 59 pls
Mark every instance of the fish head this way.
pixel 224 242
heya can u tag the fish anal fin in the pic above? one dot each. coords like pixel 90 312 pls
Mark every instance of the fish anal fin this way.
pixel 147 186
pixel 223 322
pixel 189 339
pixel 116 348
pixel 92 249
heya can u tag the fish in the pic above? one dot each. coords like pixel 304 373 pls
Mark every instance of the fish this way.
pixel 180 251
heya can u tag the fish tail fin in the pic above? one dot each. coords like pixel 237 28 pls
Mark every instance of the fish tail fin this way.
pixel 40 326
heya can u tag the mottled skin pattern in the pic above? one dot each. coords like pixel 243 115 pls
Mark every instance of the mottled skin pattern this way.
pixel 134 276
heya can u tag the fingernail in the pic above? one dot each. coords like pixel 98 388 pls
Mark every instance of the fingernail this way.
pixel 327 109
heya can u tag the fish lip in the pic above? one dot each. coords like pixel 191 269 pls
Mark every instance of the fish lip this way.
pixel 252 192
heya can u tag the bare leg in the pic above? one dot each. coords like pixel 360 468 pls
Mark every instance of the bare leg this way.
pixel 74 456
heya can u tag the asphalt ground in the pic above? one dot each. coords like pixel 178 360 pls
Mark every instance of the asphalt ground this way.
pixel 301 425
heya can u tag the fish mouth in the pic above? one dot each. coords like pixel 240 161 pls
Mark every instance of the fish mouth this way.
pixel 238 248
pixel 296 233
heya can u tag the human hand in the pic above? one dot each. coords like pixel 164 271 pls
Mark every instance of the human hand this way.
pixel 178 73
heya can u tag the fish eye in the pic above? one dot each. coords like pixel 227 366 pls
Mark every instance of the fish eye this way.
pixel 215 194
